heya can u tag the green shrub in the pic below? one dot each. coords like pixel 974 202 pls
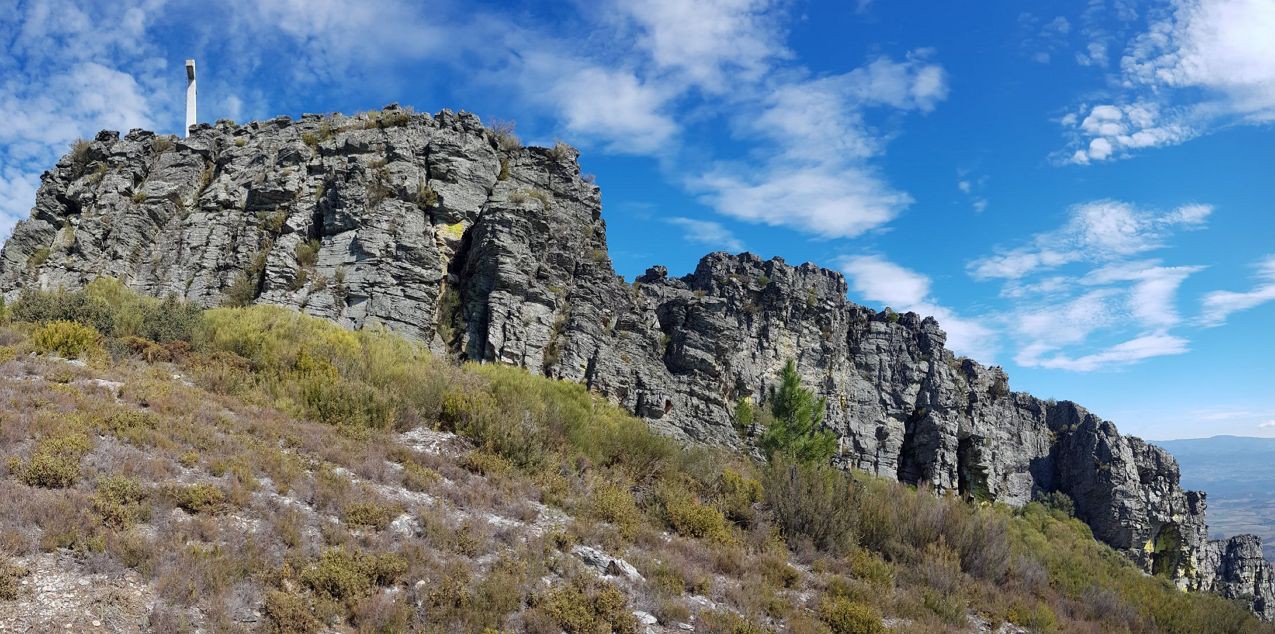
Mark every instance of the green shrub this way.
pixel 1059 501
pixel 119 500
pixel 1037 618
pixel 370 514
pixel 586 606
pixel 66 338
pixel 289 612
pixel 113 310
pixel 726 622
pixel 9 576
pixel 736 494
pixel 41 255
pixel 844 616
pixel 199 498
pixel 612 503
pixel 691 518
pixel 745 416
pixel 486 463
pixel 55 461
pixel 345 575
pixel 419 477
pixel 308 253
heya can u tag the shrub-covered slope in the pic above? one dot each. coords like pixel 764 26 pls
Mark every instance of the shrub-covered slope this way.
pixel 253 469
pixel 484 250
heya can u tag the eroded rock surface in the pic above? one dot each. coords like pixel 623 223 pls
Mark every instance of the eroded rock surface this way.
pixel 439 228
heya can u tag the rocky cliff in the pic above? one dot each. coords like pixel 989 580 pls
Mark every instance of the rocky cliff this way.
pixel 455 234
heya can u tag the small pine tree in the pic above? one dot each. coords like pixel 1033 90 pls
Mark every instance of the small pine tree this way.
pixel 796 431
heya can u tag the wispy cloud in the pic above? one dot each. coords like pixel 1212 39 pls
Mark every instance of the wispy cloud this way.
pixel 874 278
pixel 708 233
pixel 1043 37
pixel 1219 305
pixel 1089 281
pixel 1098 231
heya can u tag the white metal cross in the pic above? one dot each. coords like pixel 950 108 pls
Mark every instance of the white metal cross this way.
pixel 190 95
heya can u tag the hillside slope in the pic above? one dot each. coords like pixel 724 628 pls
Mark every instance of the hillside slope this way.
pixel 456 235
pixel 257 470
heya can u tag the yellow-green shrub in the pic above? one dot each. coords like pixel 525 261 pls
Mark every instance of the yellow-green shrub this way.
pixel 288 612
pixel 1037 618
pixel 9 576
pixel 370 514
pixel 118 501
pixel 343 574
pixel 691 518
pixel 736 495
pixel 585 606
pixel 55 461
pixel 199 498
pixel 844 616
pixel 612 503
pixel 66 338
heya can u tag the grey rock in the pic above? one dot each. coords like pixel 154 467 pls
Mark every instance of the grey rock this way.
pixel 425 225
pixel 605 564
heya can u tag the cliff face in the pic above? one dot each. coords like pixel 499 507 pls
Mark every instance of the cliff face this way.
pixel 448 232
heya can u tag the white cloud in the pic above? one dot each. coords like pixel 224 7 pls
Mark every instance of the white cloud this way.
pixel 1084 282
pixel 1266 425
pixel 876 279
pixel 1219 305
pixel 1131 351
pixel 339 37
pixel 834 201
pixel 17 196
pixel 711 43
pixel 63 76
pixel 1095 54
pixel 1152 298
pixel 816 178
pixel 707 232
pixel 1201 65
pixel 613 107
pixel 1101 230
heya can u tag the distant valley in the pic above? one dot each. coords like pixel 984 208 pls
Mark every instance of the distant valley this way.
pixel 1239 475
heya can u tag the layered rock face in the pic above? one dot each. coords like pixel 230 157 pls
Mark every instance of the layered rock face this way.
pixel 441 229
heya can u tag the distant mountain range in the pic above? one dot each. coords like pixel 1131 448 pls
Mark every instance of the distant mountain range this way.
pixel 1238 473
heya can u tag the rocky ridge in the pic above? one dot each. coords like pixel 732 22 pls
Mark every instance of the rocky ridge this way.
pixel 457 235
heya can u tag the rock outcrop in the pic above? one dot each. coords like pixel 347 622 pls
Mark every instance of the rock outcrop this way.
pixel 451 233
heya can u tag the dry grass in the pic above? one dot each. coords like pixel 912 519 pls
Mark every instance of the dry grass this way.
pixel 273 475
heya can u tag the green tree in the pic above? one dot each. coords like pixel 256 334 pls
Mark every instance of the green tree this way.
pixel 796 429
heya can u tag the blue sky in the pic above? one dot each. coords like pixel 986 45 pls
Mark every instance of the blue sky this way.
pixel 1080 192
